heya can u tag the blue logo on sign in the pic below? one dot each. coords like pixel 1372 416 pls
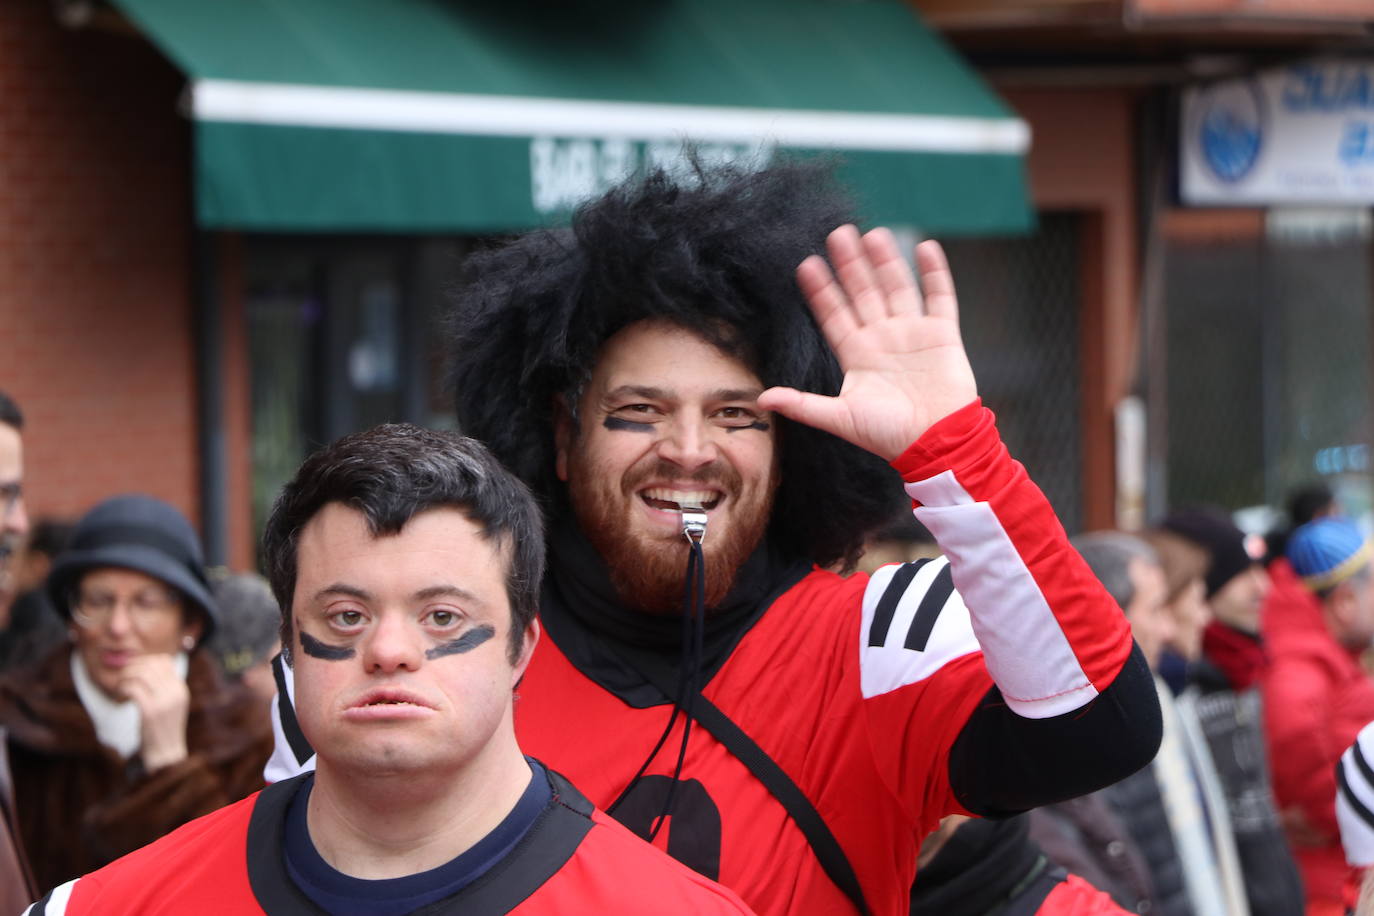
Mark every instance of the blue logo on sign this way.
pixel 1231 130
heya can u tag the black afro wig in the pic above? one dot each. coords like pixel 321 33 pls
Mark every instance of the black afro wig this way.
pixel 714 250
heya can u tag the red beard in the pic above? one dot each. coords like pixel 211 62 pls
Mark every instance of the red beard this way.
pixel 650 575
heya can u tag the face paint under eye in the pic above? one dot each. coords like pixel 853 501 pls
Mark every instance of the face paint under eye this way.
pixel 620 424
pixel 465 643
pixel 758 425
pixel 313 647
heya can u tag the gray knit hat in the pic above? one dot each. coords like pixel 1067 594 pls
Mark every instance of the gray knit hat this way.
pixel 249 620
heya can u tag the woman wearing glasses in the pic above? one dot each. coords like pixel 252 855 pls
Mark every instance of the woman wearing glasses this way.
pixel 130 730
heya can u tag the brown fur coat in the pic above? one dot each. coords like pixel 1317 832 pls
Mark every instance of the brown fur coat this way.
pixel 80 806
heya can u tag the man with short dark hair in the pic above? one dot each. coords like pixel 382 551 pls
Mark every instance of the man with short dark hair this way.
pixel 406 563
pixel 16 882
pixel 712 426
pixel 14 519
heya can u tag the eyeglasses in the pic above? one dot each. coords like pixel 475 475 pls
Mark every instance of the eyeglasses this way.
pixel 146 608
pixel 10 494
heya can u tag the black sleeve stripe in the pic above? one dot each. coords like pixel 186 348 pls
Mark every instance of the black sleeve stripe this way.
pixel 40 908
pixel 892 596
pixel 300 747
pixel 934 601
pixel 1356 805
pixel 1365 769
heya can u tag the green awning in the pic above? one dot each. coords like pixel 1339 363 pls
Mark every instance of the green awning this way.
pixel 484 116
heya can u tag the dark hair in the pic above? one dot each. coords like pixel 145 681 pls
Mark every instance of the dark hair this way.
pixel 389 474
pixel 715 252
pixel 1306 503
pixel 10 414
pixel 49 536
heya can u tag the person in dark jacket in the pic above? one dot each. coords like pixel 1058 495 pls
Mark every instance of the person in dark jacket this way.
pixel 247 636
pixel 129 731
pixel 14 518
pixel 993 868
pixel 1120 838
pixel 16 880
pixel 1228 708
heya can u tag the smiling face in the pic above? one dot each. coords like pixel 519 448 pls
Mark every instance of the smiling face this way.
pixel 668 418
pixel 400 654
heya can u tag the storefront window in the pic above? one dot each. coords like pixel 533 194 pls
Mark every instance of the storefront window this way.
pixel 342 336
pixel 1268 363
pixel 1019 302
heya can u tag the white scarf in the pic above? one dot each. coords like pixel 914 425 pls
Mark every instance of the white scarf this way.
pixel 118 723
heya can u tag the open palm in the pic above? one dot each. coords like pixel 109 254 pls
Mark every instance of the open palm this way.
pixel 898 343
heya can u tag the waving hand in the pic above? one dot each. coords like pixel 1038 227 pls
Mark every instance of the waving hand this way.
pixel 903 360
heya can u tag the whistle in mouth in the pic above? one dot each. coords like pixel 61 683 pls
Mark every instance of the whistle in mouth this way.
pixel 693 522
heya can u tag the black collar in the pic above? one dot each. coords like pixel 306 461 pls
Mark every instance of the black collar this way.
pixel 613 645
pixel 550 843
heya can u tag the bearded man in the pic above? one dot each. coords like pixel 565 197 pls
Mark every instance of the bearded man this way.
pixel 713 430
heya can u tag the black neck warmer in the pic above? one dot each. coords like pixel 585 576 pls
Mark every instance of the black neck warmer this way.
pixel 977 869
pixel 615 645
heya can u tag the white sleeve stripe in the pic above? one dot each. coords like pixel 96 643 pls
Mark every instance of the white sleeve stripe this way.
pixel 1025 648
pixel 891 664
pixel 54 903
pixel 941 490
pixel 1355 800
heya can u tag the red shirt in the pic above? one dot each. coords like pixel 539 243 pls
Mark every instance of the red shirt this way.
pixel 573 860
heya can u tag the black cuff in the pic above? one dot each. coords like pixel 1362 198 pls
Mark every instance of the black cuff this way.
pixel 1002 763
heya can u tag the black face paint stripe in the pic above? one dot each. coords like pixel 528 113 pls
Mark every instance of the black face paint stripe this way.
pixel 757 425
pixel 620 424
pixel 317 649
pixel 465 643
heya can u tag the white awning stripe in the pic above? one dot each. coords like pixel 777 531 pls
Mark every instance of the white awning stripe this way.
pixel 495 115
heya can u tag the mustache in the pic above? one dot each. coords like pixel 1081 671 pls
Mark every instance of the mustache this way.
pixel 717 472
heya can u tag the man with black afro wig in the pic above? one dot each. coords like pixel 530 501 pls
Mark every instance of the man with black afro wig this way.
pixel 717 394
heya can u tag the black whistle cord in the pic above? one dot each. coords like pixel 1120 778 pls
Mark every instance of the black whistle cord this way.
pixel 689 672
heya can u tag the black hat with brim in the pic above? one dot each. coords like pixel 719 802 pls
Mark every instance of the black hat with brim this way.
pixel 139 533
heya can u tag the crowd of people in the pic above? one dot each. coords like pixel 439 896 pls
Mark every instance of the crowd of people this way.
pixel 609 650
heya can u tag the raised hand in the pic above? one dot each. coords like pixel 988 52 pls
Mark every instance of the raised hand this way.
pixel 164 702
pixel 903 360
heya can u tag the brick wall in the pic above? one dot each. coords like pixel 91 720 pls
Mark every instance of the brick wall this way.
pixel 96 322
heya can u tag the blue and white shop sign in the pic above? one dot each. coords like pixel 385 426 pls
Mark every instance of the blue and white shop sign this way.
pixel 1301 134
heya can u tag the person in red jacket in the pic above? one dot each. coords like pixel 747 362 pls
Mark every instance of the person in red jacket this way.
pixel 718 394
pixel 1319 616
pixel 406 563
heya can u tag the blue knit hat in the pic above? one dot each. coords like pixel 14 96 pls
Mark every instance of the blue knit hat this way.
pixel 1326 552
